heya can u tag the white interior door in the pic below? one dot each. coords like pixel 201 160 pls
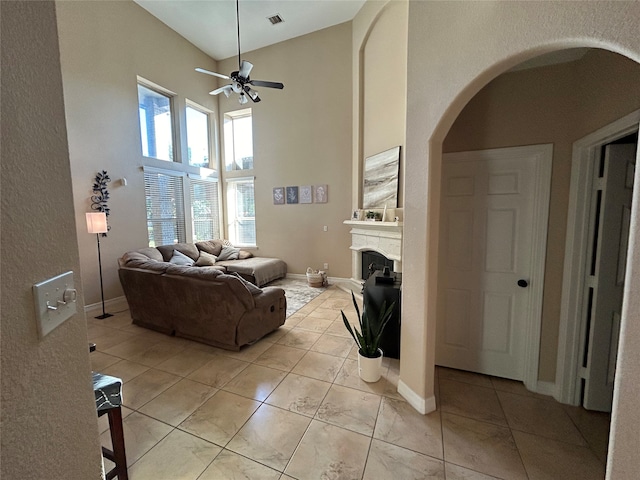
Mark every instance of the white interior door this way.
pixel 605 281
pixel 490 254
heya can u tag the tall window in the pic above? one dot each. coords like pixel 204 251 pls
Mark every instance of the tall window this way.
pixel 165 208
pixel 198 149
pixel 238 140
pixel 168 221
pixel 205 209
pixel 238 159
pixel 183 200
pixel 156 124
pixel 241 211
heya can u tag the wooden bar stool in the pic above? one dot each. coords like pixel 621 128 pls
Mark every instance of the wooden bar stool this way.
pixel 108 391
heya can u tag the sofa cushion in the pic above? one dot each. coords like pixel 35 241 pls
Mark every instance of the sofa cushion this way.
pixel 194 272
pixel 262 269
pixel 243 255
pixel 206 260
pixel 189 249
pixel 152 253
pixel 252 288
pixel 180 259
pixel 131 256
pixel 214 247
pixel 133 260
pixel 228 253
pixel 238 288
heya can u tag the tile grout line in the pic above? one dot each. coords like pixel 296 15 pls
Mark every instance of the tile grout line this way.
pixel 381 396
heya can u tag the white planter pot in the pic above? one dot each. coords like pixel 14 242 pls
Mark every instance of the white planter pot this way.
pixel 370 369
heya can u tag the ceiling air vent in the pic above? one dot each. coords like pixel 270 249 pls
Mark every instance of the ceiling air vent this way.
pixel 275 19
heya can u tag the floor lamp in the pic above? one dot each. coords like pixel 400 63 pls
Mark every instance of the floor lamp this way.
pixel 97 223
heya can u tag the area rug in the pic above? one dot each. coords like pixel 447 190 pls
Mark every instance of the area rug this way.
pixel 298 293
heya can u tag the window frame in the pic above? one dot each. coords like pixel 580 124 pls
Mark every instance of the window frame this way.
pixel 175 124
pixel 236 175
pixel 211 179
pixel 187 200
pixel 179 166
pixel 211 133
pixel 181 213
pixel 228 219
pixel 236 115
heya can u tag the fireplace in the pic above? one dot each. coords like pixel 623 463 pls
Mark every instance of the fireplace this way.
pixel 383 238
pixel 371 261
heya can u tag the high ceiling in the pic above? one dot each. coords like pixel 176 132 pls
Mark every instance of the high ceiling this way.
pixel 211 24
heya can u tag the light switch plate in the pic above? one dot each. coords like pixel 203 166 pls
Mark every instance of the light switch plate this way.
pixel 55 301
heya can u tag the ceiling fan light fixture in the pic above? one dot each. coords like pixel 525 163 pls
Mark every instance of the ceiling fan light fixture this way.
pixel 252 93
pixel 240 79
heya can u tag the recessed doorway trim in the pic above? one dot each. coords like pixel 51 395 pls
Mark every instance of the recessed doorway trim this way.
pixel 584 154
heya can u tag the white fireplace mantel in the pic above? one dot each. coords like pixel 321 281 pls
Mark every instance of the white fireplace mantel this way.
pixel 382 237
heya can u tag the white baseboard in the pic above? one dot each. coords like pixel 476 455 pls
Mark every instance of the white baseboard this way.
pixel 546 388
pixel 337 281
pixel 422 405
pixel 115 304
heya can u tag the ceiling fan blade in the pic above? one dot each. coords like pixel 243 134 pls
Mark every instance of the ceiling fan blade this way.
pixel 202 70
pixel 262 83
pixel 227 89
pixel 245 69
pixel 253 95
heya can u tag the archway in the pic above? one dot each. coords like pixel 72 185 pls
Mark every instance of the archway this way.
pixel 552 99
pixel 454 49
pixel 437 154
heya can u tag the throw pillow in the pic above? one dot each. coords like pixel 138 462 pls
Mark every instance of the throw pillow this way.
pixel 228 253
pixel 181 259
pixel 206 260
pixel 210 246
pixel 244 254
pixel 250 286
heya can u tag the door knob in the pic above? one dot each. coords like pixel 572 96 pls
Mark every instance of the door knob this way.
pixel 523 283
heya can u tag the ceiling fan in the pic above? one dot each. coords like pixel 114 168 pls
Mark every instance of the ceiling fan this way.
pixel 240 81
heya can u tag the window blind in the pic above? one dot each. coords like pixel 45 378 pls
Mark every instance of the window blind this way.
pixel 241 211
pixel 205 209
pixel 165 208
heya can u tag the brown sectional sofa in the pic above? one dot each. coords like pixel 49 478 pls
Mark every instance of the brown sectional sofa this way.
pixel 258 270
pixel 205 304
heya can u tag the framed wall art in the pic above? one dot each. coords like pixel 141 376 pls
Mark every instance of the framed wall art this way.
pixel 278 196
pixel 305 194
pixel 292 194
pixel 321 194
pixel 381 179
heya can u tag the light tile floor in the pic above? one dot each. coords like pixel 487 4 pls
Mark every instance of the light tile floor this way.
pixel 292 407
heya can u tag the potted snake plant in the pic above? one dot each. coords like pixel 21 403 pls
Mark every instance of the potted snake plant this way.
pixel 368 339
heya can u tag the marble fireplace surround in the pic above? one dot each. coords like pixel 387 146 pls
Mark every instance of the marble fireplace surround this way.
pixel 382 237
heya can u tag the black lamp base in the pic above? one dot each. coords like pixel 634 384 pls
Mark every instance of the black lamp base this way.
pixel 103 316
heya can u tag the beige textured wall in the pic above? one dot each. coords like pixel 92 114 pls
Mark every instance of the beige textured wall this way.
pixel 555 104
pixel 302 136
pixel 384 65
pixel 49 424
pixel 379 86
pixel 447 66
pixel 103 46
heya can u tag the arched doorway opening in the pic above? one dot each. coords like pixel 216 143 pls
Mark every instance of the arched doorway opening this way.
pixel 484 122
pixel 545 101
